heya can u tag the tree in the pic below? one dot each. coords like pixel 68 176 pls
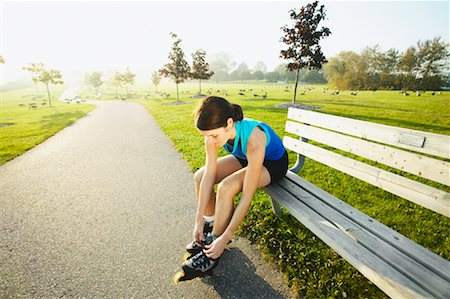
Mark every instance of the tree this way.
pixel 314 77
pixel 242 72
pixel 40 74
pixel 177 69
pixel 156 79
pixel 407 67
pixel 2 61
pixel 116 81
pixel 221 64
pixel 260 66
pixel 388 66
pixel 94 79
pixel 432 62
pixel 303 39
pixel 370 57
pixel 258 75
pixel 285 74
pixel 200 68
pixel 128 79
pixel 273 76
pixel 334 71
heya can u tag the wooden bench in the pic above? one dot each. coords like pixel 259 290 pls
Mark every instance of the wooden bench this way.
pixel 398 266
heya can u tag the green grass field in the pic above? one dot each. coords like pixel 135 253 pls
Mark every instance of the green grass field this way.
pixel 312 269
pixel 22 128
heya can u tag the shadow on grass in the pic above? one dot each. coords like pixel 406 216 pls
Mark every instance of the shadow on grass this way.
pixel 236 277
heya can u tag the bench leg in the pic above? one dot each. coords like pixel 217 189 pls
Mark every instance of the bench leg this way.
pixel 276 207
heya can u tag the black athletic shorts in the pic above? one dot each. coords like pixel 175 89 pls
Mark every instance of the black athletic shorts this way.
pixel 277 168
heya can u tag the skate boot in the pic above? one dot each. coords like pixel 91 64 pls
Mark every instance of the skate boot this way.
pixel 195 247
pixel 198 266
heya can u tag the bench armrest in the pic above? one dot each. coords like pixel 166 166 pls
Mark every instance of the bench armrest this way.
pixel 300 160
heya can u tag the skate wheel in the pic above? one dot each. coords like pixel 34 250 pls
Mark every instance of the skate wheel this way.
pixel 179 277
pixel 187 256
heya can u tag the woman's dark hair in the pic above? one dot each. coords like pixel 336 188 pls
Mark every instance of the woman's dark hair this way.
pixel 213 112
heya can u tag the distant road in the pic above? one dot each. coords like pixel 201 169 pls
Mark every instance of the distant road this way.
pixel 70 93
pixel 104 209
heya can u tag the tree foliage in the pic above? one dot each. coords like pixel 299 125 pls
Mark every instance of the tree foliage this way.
pixel 156 79
pixel 41 74
pixel 200 68
pixel 122 79
pixel 420 67
pixel 260 66
pixel 221 64
pixel 116 81
pixel 94 79
pixel 177 69
pixel 128 78
pixel 303 40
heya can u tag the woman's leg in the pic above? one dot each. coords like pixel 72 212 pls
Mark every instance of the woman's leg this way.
pixel 225 166
pixel 227 189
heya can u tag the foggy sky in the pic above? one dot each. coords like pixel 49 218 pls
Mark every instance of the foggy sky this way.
pixel 80 36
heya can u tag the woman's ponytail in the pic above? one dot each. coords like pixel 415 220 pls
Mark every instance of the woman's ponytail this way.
pixel 238 115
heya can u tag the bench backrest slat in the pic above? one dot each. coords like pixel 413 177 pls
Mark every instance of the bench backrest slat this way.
pixel 422 166
pixel 424 195
pixel 419 141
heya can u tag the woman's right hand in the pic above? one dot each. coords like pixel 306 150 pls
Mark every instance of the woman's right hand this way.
pixel 198 232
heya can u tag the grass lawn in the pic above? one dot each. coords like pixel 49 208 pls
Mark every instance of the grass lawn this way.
pixel 311 267
pixel 22 128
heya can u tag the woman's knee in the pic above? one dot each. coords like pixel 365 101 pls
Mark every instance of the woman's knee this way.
pixel 198 175
pixel 228 188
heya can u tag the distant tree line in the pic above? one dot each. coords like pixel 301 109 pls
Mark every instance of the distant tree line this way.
pixel 420 67
pixel 225 70
pixel 116 80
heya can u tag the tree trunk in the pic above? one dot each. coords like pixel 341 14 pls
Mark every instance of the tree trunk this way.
pixel 200 86
pixel 178 98
pixel 295 88
pixel 49 97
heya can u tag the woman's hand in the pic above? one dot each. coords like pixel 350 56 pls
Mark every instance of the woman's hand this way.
pixel 216 248
pixel 198 232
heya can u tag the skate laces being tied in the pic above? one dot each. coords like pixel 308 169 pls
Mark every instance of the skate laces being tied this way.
pixel 201 261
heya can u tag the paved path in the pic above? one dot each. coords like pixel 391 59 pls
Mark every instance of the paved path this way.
pixel 104 209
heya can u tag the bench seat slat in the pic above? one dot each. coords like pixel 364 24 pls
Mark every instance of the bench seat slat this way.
pixel 433 169
pixel 435 144
pixel 424 195
pixel 389 280
pixel 433 261
pixel 385 248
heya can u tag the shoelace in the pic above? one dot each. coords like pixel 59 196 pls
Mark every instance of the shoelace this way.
pixel 200 261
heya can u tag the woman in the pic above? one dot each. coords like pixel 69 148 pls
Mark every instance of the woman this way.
pixel 256 158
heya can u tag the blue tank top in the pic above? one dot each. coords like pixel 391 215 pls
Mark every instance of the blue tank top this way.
pixel 274 146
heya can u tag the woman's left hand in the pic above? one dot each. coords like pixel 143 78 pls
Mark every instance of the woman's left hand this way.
pixel 216 248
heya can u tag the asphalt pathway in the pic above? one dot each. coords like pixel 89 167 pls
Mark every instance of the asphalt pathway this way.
pixel 103 209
